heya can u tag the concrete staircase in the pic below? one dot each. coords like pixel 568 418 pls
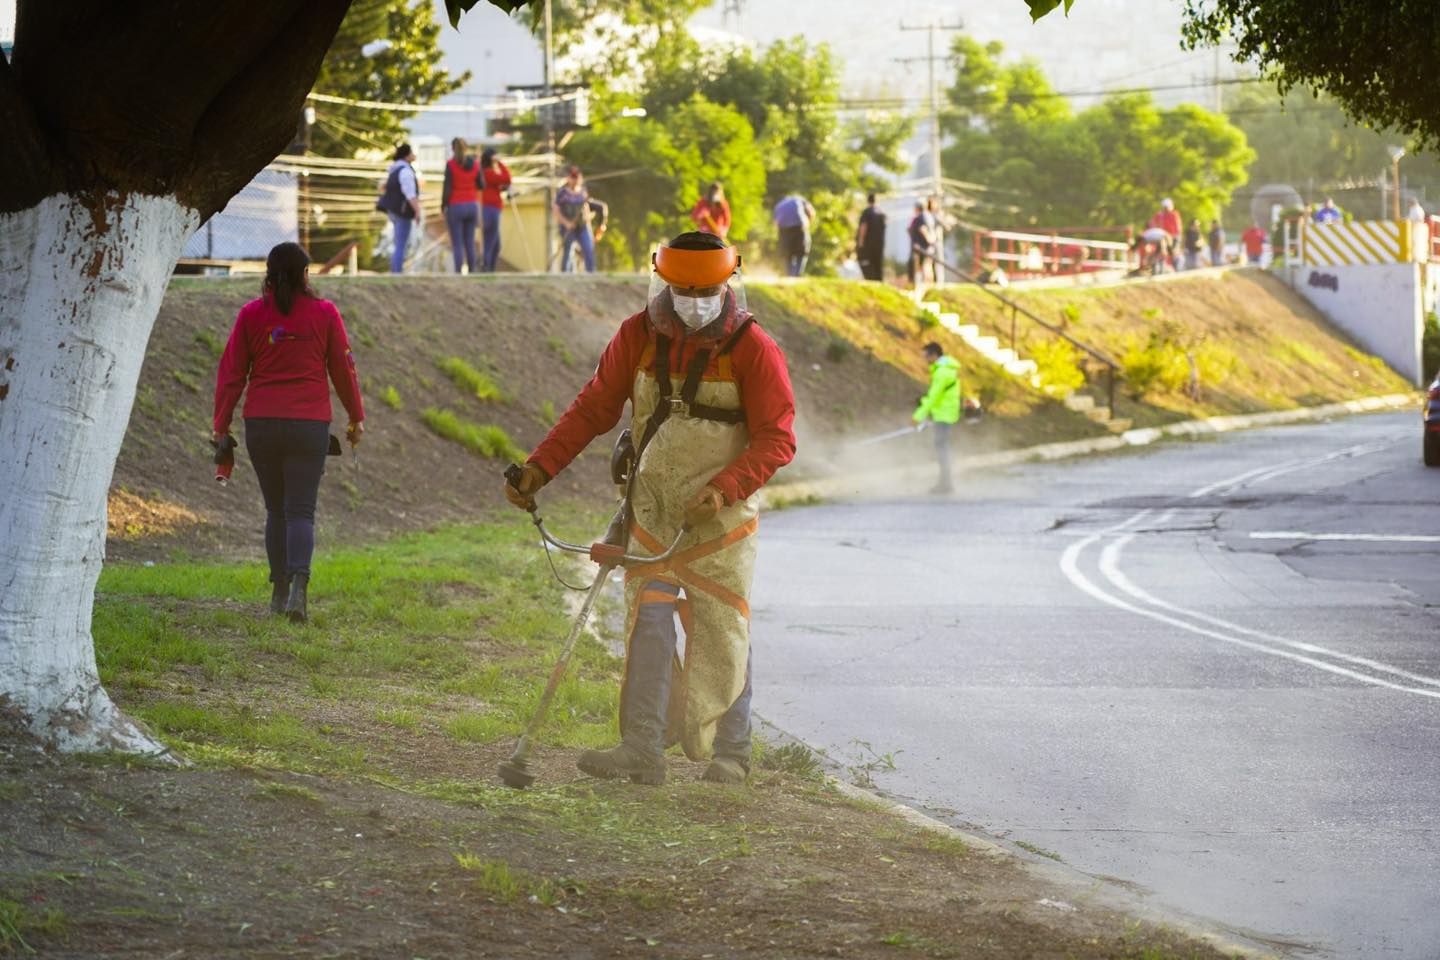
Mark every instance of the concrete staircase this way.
pixel 1021 368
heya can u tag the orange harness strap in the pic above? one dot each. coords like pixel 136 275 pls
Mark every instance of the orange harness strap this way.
pixel 679 565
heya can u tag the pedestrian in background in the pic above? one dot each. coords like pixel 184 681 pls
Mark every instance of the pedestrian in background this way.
pixel 1328 213
pixel 401 203
pixel 460 203
pixel 941 406
pixel 921 233
pixel 1216 239
pixel 1253 240
pixel 572 208
pixel 495 180
pixel 870 241
pixel 711 213
pixel 281 349
pixel 1415 213
pixel 1167 218
pixel 793 217
pixel 1193 239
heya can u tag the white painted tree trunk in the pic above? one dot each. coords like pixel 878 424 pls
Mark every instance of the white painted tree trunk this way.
pixel 80 285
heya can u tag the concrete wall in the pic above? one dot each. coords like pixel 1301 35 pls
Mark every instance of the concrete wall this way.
pixel 1377 304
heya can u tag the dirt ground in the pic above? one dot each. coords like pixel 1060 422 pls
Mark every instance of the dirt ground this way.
pixel 146 861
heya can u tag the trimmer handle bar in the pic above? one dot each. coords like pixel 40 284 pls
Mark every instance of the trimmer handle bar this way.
pixel 599 552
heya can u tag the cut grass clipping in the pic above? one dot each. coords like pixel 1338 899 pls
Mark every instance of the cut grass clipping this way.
pixel 487 440
pixel 467 378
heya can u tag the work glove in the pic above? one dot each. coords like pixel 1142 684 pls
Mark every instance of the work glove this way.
pixel 522 494
pixel 353 432
pixel 703 506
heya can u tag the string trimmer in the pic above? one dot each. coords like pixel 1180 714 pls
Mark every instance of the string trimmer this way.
pixel 515 772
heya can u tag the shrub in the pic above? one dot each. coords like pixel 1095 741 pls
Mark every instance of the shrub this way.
pixel 487 440
pixel 837 349
pixel 1158 363
pixel 391 398
pixel 469 379
pixel 1057 363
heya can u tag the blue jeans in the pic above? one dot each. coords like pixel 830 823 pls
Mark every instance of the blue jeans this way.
pixel 490 221
pixel 647 685
pixel 461 219
pixel 289 459
pixel 402 227
pixel 586 239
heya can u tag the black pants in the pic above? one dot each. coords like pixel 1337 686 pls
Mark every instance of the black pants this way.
pixel 872 264
pixel 289 459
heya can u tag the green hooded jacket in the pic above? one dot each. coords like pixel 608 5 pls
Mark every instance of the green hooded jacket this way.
pixel 942 402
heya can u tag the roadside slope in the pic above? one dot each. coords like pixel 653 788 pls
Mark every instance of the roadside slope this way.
pixel 527 345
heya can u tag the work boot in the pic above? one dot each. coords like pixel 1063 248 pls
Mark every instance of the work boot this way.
pixel 295 606
pixel 623 761
pixel 279 595
pixel 727 770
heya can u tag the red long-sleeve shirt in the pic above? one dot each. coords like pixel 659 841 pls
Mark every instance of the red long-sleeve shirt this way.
pixel 497 178
pixel 1169 221
pixel 765 393
pixel 280 361
pixel 710 218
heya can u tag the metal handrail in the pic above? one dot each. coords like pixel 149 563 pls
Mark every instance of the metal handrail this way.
pixel 1111 367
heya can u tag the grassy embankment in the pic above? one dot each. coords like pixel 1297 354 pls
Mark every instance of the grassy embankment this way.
pixel 1241 342
pixel 342 798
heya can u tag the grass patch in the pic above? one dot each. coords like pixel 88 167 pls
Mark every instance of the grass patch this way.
pixel 548 416
pixel 494 877
pixel 391 398
pixel 795 759
pixel 18 921
pixel 286 791
pixel 477 383
pixel 185 380
pixel 561 349
pixel 1039 851
pixel 487 440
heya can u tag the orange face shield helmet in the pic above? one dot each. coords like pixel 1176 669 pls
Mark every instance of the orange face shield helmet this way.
pixel 696 272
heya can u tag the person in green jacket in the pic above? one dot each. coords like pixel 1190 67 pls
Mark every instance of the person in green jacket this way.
pixel 941 406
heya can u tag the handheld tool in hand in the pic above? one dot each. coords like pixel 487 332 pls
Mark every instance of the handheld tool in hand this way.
pixel 892 435
pixel 515 772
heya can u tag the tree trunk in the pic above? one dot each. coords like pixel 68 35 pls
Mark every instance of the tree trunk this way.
pixel 81 279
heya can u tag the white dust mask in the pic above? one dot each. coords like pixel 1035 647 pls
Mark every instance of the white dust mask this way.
pixel 697 312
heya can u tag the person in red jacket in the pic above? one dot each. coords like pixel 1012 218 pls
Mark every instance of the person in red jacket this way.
pixel 459 202
pixel 711 213
pixel 714 415
pixel 496 179
pixel 280 350
pixel 1167 218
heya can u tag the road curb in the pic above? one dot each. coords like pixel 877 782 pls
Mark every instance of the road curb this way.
pixel 1077 885
pixel 856 484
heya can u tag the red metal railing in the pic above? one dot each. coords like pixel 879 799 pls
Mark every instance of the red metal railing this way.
pixel 1057 251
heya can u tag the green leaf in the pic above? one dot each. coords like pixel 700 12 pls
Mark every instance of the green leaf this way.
pixel 1039 8
pixel 457 8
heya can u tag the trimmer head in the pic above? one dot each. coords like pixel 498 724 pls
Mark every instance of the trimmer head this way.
pixel 515 773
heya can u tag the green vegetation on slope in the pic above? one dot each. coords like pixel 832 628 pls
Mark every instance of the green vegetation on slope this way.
pixel 1238 343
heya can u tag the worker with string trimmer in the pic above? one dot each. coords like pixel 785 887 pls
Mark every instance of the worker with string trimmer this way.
pixel 713 416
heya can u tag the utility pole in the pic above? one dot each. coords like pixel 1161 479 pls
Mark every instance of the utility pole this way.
pixel 937 184
pixel 548 112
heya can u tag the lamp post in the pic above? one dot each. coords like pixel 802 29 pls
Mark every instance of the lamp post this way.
pixel 1395 154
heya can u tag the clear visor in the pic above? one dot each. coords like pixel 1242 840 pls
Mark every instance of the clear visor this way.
pixel 661 300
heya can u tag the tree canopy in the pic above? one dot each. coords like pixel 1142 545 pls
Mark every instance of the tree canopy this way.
pixel 408 71
pixel 1107 165
pixel 1375 57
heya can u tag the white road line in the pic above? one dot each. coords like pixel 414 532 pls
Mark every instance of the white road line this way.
pixel 1365 537
pixel 1109 567
pixel 1069 565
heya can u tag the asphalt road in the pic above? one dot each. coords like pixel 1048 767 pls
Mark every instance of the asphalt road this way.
pixel 1151 665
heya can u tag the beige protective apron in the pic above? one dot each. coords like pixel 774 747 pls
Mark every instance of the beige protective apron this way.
pixel 715 563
